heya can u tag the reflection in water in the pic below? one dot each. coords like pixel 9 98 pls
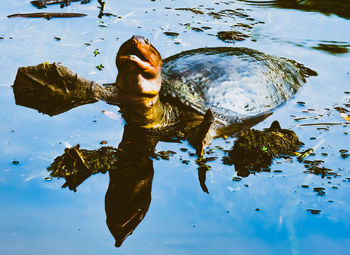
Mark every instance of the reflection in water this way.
pixel 335 48
pixel 337 7
pixel 130 165
pixel 254 150
pixel 129 192
pixel 131 173
pixel 76 165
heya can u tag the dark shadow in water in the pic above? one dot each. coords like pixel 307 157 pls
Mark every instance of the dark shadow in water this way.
pixel 340 8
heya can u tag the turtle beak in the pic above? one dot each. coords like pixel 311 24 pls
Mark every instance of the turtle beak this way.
pixel 137 50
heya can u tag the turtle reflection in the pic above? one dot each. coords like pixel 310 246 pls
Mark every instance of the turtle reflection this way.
pixel 130 170
pixel 254 150
pixel 129 192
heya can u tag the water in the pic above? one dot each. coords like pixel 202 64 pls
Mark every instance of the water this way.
pixel 38 216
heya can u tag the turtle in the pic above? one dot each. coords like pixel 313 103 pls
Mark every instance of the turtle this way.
pixel 206 92
pixel 215 88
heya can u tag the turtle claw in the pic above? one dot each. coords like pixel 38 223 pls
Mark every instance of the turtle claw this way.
pixel 202 134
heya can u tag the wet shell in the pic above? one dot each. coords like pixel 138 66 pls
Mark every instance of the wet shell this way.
pixel 236 83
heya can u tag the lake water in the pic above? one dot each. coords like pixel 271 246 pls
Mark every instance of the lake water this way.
pixel 265 213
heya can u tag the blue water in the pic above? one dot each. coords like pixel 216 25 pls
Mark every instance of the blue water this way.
pixel 38 216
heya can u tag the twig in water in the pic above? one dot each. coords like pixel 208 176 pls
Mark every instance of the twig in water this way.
pixel 123 17
pixel 47 15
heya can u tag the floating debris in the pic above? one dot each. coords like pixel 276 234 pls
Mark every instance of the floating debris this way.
pixel 194 10
pixel 197 29
pixel 324 124
pixel 47 15
pixel 171 34
pixel 320 191
pixel 313 167
pixel 314 211
pixel 228 13
pixel 165 154
pixel 42 3
pixel 185 162
pixel 277 171
pixel 96 52
pixel 100 67
pixel 231 36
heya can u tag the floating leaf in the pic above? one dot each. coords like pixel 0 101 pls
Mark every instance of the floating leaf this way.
pixel 96 52
pixel 100 67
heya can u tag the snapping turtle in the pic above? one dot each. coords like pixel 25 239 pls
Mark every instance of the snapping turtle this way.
pixel 225 85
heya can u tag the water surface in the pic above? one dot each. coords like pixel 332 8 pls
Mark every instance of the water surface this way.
pixel 37 215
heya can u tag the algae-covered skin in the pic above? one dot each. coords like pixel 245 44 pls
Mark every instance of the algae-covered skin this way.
pixel 254 150
pixel 236 83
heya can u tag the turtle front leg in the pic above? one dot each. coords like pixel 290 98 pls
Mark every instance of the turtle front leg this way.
pixel 203 133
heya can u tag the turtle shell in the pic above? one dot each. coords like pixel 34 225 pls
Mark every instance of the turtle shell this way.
pixel 236 83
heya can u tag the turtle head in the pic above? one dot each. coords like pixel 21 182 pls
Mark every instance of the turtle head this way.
pixel 139 65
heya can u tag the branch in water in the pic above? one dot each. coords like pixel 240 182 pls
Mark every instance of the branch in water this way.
pixel 42 3
pixel 47 15
pixel 324 124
